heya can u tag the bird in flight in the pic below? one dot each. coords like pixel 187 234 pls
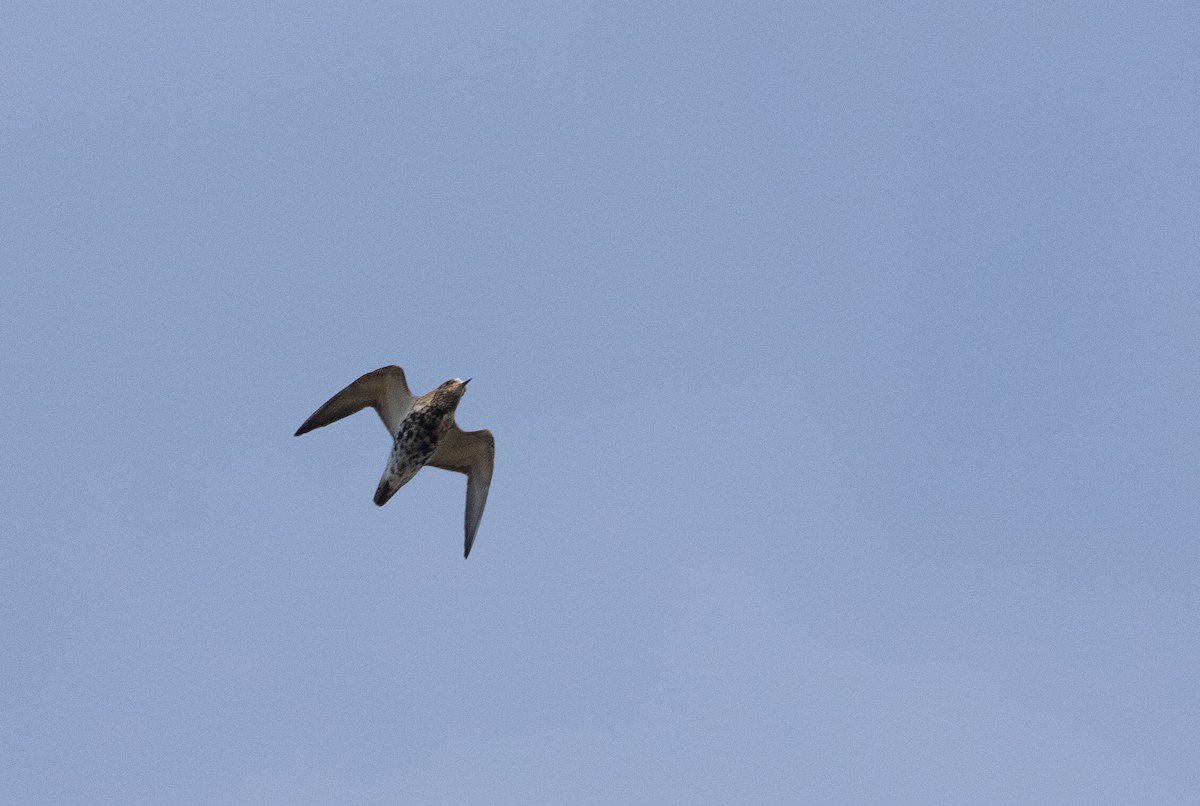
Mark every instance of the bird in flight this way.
pixel 423 431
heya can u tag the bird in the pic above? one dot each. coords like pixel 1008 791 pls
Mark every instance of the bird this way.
pixel 423 431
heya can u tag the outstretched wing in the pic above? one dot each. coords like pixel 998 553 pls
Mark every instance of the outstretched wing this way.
pixel 473 453
pixel 384 390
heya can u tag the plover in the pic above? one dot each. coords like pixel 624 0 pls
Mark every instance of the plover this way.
pixel 423 432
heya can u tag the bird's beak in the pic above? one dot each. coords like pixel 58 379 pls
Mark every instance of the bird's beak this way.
pixel 468 380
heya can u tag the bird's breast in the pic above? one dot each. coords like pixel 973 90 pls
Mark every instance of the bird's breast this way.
pixel 418 438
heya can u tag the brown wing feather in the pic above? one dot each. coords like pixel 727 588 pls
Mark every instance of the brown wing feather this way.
pixel 384 390
pixel 473 453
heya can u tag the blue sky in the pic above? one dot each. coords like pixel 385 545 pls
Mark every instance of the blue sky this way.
pixel 842 360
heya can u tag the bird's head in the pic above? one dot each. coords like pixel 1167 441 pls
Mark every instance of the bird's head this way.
pixel 449 393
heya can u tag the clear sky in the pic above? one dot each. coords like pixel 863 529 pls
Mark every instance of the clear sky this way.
pixel 842 360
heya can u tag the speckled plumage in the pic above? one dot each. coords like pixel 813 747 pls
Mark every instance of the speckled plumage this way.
pixel 424 432
pixel 415 443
